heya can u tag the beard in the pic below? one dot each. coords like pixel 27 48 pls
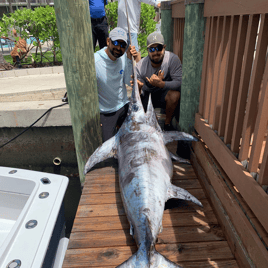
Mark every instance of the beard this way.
pixel 156 61
pixel 116 53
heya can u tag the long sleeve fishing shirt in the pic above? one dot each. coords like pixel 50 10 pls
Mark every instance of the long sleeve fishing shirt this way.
pixel 171 66
pixel 134 13
pixel 111 79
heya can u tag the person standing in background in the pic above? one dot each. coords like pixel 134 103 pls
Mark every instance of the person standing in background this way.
pixel 99 23
pixel 134 12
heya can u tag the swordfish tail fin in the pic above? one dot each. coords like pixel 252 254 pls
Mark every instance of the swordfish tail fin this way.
pixel 147 256
pixel 156 261
pixel 107 150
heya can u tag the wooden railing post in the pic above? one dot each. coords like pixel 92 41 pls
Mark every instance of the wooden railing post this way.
pixel 192 63
pixel 74 26
pixel 167 24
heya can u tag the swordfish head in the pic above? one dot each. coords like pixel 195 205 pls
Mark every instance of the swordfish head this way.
pixel 136 114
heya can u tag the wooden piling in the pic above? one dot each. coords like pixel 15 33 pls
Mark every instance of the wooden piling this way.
pixel 192 63
pixel 74 26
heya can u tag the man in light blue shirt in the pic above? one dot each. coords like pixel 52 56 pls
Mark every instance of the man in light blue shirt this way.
pixel 113 70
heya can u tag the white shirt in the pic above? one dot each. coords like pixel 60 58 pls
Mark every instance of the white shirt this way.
pixel 134 13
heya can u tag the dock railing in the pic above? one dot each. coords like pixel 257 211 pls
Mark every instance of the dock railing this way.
pixel 178 14
pixel 234 96
pixel 233 105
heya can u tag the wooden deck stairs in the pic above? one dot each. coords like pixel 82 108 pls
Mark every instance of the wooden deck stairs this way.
pixel 191 237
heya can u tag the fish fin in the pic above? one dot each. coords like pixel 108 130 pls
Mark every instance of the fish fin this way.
pixel 140 259
pixel 107 150
pixel 131 231
pixel 157 260
pixel 179 193
pixel 179 159
pixel 170 136
pixel 151 117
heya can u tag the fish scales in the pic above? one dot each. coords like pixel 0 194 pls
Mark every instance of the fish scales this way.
pixel 145 171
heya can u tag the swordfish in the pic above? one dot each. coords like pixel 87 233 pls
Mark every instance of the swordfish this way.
pixel 145 171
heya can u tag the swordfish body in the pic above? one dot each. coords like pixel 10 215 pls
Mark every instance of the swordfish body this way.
pixel 145 171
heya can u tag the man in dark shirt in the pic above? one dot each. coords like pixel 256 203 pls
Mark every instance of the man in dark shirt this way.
pixel 160 73
pixel 99 23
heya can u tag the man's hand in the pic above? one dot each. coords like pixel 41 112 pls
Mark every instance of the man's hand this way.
pixel 156 81
pixel 140 84
pixel 132 52
pixel 161 75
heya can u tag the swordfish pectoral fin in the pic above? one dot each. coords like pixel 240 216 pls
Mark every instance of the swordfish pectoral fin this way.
pixel 107 150
pixel 179 193
pixel 179 159
pixel 176 136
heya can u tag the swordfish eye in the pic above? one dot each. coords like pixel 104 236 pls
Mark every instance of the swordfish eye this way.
pixel 135 108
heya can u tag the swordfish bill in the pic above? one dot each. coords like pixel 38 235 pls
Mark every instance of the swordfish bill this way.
pixel 145 171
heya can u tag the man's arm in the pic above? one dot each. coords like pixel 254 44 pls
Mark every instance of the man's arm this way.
pixel 175 74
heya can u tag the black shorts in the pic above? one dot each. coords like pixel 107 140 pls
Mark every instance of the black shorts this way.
pixel 111 121
pixel 99 31
pixel 158 98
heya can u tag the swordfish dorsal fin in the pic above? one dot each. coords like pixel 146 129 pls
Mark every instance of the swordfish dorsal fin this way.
pixel 179 193
pixel 176 136
pixel 151 116
pixel 107 150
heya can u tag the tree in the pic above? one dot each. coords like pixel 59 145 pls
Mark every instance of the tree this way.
pixel 2 60
pixel 10 6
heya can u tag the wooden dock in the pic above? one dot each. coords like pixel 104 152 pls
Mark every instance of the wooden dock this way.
pixel 191 237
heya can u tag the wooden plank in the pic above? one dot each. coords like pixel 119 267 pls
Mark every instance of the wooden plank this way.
pixel 241 226
pixel 194 218
pixel 260 125
pixel 210 67
pixel 118 209
pixel 244 81
pixel 116 238
pixel 111 186
pixel 228 73
pixel 111 198
pixel 178 9
pixel 254 88
pixel 222 66
pixel 217 250
pixel 263 179
pixel 251 191
pixel 238 58
pixel 204 67
pixel 234 7
pixel 217 52
pixel 178 35
pixel 201 264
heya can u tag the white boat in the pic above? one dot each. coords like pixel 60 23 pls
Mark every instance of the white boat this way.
pixel 32 224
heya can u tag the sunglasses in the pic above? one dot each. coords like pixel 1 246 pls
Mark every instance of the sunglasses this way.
pixel 158 48
pixel 117 43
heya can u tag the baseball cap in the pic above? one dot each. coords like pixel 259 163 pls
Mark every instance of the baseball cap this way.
pixel 118 34
pixel 155 38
